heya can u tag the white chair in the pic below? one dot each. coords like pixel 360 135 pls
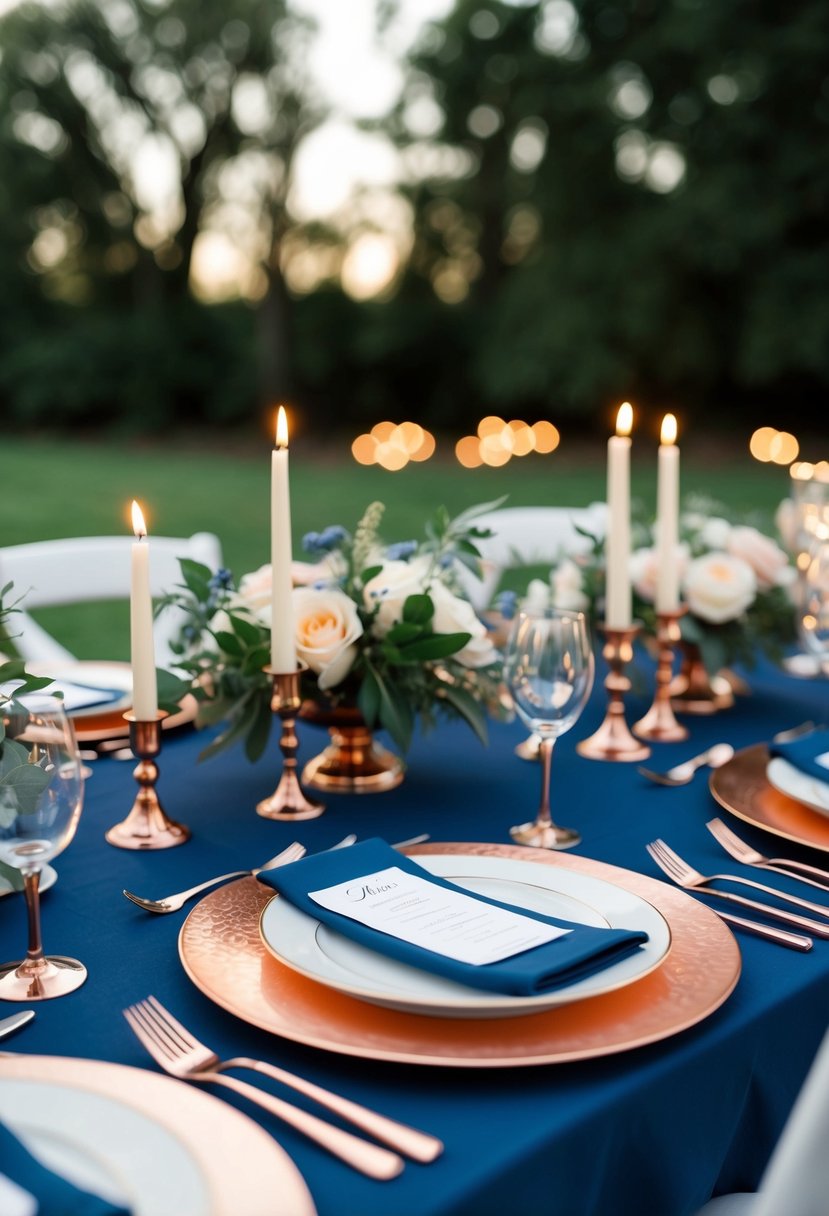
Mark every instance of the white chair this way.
pixel 796 1180
pixel 527 536
pixel 82 569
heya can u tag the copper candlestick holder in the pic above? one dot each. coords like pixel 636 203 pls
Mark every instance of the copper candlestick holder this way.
pixel 147 826
pixel 659 723
pixel 613 740
pixel 289 800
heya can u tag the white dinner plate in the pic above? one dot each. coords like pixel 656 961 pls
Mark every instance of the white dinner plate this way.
pixel 140 1139
pixel 109 677
pixel 48 878
pixel 320 953
pixel 800 786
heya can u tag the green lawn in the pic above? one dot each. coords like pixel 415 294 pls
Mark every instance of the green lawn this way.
pixel 51 488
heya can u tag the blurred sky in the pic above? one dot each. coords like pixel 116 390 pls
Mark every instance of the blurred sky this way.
pixel 360 79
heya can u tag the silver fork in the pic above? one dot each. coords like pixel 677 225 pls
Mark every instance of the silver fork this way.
pixel 182 1056
pixel 172 903
pixel 686 876
pixel 749 856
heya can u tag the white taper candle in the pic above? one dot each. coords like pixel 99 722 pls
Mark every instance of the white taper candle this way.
pixel 283 643
pixel 142 646
pixel 667 519
pixel 617 545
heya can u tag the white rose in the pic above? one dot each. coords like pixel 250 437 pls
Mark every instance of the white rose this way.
pixel 715 533
pixel 767 560
pixel 787 522
pixel 254 594
pixel 328 570
pixel 719 587
pixel 389 590
pixel 326 626
pixel 568 587
pixel 454 615
pixel 644 569
pixel 537 599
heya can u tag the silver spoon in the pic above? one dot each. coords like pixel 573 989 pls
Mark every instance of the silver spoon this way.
pixel 682 773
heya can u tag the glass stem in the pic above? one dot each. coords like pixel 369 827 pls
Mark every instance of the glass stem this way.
pixel 546 751
pixel 31 889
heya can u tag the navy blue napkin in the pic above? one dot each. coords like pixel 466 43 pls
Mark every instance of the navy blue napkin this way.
pixel 543 968
pixel 55 1196
pixel 802 753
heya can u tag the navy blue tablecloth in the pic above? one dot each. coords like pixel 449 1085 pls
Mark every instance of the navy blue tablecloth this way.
pixel 654 1131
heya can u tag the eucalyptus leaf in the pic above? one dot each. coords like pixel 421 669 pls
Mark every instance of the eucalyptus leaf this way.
pixel 418 609
pixel 13 754
pixel 437 646
pixel 468 708
pixel 12 876
pixel 368 698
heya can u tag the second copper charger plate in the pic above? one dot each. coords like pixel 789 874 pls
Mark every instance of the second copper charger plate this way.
pixel 222 953
pixel 742 787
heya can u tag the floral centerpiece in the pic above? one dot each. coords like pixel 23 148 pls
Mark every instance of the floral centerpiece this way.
pixel 383 629
pixel 735 581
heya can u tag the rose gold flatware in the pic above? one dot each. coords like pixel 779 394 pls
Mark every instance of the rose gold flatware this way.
pixel 420 1146
pixel 795 732
pixel 749 856
pixel 191 1061
pixel 172 903
pixel 682 773
pixel 783 937
pixel 684 875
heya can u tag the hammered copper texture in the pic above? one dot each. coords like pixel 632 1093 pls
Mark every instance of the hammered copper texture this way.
pixel 741 786
pixel 223 954
pixel 218 1137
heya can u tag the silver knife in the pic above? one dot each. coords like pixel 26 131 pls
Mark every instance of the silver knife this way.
pixel 9 1025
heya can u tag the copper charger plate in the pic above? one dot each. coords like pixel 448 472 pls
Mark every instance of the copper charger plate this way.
pixel 222 953
pixel 95 725
pixel 110 724
pixel 742 787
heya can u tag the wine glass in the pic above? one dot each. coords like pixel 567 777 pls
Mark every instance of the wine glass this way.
pixel 41 794
pixel 813 618
pixel 548 669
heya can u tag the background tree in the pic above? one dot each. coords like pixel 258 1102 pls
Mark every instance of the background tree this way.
pixel 133 132
pixel 626 199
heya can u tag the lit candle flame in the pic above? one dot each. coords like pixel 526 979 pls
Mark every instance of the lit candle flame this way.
pixel 281 428
pixel 138 525
pixel 624 419
pixel 668 433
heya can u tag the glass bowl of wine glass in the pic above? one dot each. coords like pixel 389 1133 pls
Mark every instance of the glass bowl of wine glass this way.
pixel 41 795
pixel 548 669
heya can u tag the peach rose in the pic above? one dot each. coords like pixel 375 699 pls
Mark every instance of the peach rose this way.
pixel 327 626
pixel 768 561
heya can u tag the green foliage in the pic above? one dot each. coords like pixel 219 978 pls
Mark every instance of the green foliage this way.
pixel 766 625
pixel 402 671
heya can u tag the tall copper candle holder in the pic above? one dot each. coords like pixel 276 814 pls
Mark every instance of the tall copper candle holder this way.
pixel 289 800
pixel 613 740
pixel 147 826
pixel 659 723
